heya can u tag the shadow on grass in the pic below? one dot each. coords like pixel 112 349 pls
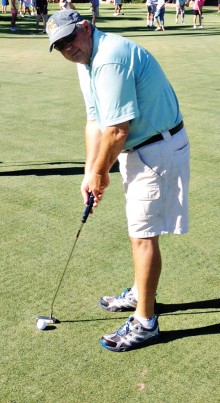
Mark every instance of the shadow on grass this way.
pixel 52 171
pixel 165 309
pixel 162 309
pixel 29 163
pixel 171 335
pixel 49 328
pixel 45 172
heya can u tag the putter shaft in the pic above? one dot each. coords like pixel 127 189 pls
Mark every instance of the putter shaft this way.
pixel 83 220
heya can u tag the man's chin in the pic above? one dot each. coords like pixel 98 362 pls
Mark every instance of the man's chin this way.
pixel 81 60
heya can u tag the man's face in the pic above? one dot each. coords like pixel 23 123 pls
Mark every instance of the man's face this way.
pixel 79 49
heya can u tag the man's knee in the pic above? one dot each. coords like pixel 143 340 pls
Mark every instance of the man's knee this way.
pixel 145 242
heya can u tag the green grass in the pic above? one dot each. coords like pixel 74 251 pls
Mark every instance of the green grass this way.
pixel 41 167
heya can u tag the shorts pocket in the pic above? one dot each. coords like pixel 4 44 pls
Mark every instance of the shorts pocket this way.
pixel 182 163
pixel 152 193
pixel 150 159
pixel 184 150
pixel 143 191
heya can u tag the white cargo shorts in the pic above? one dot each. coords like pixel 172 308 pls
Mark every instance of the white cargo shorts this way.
pixel 156 182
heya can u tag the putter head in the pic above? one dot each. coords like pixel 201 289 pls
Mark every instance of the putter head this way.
pixel 48 319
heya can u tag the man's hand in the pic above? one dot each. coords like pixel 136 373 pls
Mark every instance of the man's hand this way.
pixel 111 143
pixel 97 184
pixel 85 190
pixel 102 151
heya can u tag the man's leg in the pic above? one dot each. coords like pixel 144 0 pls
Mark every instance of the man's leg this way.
pixel 45 19
pixel 143 326
pixel 194 20
pixel 182 14
pixel 147 263
pixel 177 13
pixel 13 21
pixel 38 18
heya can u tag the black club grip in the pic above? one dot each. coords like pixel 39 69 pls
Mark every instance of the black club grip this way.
pixel 88 208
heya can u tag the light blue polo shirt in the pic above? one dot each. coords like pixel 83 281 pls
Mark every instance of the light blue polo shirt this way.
pixel 125 83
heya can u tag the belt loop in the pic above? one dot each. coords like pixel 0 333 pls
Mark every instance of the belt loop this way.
pixel 166 135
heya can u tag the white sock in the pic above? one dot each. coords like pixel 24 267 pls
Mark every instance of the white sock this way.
pixel 147 323
pixel 135 292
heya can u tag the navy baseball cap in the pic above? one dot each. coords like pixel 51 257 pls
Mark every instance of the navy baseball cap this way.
pixel 61 24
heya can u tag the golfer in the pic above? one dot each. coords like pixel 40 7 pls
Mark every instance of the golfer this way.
pixel 133 115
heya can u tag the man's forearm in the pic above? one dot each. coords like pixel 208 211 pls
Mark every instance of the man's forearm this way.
pixel 112 143
pixel 92 139
pixel 102 151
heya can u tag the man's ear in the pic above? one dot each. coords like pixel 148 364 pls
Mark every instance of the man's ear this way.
pixel 86 26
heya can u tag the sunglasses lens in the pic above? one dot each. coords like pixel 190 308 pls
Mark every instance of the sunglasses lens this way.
pixel 60 45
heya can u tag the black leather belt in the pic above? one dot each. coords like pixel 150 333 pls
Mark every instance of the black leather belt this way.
pixel 158 137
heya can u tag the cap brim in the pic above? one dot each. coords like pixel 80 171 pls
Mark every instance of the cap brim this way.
pixel 61 33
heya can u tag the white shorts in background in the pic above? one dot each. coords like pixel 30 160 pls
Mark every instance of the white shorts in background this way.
pixel 156 181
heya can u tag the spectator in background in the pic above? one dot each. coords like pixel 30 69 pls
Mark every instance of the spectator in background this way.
pixel 197 11
pixel 151 6
pixel 66 5
pixel 27 5
pixel 4 6
pixel 159 15
pixel 218 6
pixel 95 10
pixel 118 7
pixel 14 14
pixel 33 7
pixel 22 8
pixel 180 9
pixel 42 13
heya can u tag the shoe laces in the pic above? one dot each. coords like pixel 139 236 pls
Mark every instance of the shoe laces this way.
pixel 125 328
pixel 123 294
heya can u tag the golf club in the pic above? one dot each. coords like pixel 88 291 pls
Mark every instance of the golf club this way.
pixel 50 319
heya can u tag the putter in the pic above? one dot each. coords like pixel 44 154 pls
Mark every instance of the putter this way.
pixel 50 319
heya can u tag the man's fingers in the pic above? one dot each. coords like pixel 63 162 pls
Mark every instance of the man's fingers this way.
pixel 97 198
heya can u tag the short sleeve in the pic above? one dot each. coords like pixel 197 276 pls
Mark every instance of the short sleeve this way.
pixel 115 90
pixel 85 85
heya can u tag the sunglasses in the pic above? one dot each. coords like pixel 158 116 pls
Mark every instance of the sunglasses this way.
pixel 62 43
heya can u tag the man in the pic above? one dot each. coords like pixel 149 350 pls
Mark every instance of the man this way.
pixel 151 6
pixel 42 13
pixel 180 9
pixel 118 7
pixel 94 5
pixel 14 14
pixel 133 115
pixel 66 4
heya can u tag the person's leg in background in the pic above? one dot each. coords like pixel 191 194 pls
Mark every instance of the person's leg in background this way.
pixel 14 15
pixel 45 19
